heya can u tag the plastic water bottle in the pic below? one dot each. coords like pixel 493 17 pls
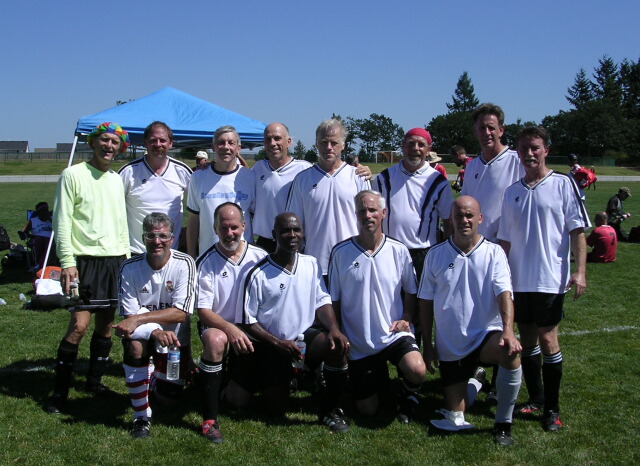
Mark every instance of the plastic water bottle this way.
pixel 298 364
pixel 22 297
pixel 173 363
pixel 73 288
pixel 2 302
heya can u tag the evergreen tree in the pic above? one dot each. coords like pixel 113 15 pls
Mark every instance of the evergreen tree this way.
pixel 464 97
pixel 630 81
pixel 299 150
pixel 582 90
pixel 607 86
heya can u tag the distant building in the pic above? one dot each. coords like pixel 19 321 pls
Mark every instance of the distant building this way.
pixel 66 147
pixel 14 146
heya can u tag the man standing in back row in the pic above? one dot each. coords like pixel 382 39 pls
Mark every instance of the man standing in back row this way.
pixel 90 221
pixel 542 222
pixel 154 183
pixel 417 197
pixel 225 180
pixel 323 195
pixel 488 175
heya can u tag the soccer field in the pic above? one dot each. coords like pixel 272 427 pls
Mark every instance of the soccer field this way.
pixel 600 340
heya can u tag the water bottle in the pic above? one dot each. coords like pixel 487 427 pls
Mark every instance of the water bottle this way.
pixel 73 288
pixel 22 297
pixel 173 363
pixel 298 364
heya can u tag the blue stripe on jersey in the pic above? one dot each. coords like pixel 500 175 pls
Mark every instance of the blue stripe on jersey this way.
pixel 432 216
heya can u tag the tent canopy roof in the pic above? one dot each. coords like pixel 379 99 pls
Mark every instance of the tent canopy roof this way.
pixel 192 120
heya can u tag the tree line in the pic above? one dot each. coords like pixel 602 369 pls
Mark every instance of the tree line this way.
pixel 604 121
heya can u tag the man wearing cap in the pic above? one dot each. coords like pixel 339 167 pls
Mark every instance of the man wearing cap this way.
pixel 154 183
pixel 616 213
pixel 434 161
pixel 202 159
pixel 417 197
pixel 488 175
pixel 90 222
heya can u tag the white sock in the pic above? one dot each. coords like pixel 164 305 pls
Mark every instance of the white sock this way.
pixel 508 385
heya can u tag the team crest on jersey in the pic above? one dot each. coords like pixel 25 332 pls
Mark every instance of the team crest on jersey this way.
pixel 225 274
pixel 356 264
pixel 282 286
pixel 262 178
pixel 451 266
pixel 476 177
pixel 144 290
pixel 144 180
pixel 314 186
pixel 169 286
pixel 517 198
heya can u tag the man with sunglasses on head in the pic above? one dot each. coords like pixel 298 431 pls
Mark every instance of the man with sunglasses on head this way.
pixel 157 294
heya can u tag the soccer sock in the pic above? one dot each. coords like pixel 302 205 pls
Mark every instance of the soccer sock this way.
pixel 336 379
pixel 137 378
pixel 99 350
pixel 552 374
pixel 67 355
pixel 508 384
pixel 532 372
pixel 210 379
pixel 473 388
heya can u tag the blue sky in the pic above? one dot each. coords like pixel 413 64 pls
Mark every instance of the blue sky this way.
pixel 299 61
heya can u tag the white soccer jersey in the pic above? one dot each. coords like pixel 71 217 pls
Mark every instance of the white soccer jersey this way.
pixel 171 286
pixel 415 204
pixel 369 288
pixel 209 188
pixel 272 188
pixel 326 207
pixel 221 281
pixel 284 302
pixel 537 221
pixel 486 182
pixel 464 290
pixel 146 192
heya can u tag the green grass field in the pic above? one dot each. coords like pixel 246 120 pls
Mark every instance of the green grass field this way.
pixel 600 340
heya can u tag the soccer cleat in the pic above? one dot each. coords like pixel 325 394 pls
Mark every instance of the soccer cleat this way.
pixel 99 389
pixel 480 375
pixel 502 434
pixel 406 409
pixel 57 403
pixel 529 408
pixel 552 421
pixel 141 428
pixel 211 431
pixel 336 421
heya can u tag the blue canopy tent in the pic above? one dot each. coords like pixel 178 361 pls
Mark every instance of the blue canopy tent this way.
pixel 192 120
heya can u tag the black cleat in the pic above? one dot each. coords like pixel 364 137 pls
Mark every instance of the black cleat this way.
pixel 502 434
pixel 336 421
pixel 56 404
pixel 99 389
pixel 141 428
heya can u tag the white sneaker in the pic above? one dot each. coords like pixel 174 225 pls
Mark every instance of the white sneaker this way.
pixel 453 421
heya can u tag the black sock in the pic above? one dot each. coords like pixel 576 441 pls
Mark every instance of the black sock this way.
pixel 532 373
pixel 210 378
pixel 552 375
pixel 336 379
pixel 99 350
pixel 67 355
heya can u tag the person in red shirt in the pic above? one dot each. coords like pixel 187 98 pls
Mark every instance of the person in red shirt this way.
pixel 433 161
pixel 604 241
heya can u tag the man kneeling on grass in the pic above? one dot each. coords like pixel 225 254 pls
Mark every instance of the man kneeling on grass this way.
pixel 466 286
pixel 157 292
pixel 285 296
